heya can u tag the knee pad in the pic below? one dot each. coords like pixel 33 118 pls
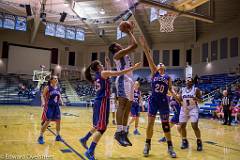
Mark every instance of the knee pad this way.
pixel 101 131
pixel 165 127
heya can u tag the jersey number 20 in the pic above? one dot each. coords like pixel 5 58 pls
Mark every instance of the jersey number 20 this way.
pixel 159 88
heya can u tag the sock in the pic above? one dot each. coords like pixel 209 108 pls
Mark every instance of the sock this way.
pixel 119 128
pixel 88 135
pixel 199 141
pixel 169 143
pixel 148 141
pixel 125 128
pixel 92 147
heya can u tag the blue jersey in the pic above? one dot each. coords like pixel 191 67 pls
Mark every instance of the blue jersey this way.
pixel 102 86
pixel 136 96
pixel 53 94
pixel 160 85
pixel 175 106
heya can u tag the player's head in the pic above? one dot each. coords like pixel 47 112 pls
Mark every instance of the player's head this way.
pixel 189 82
pixel 94 67
pixel 136 85
pixel 225 93
pixel 161 68
pixel 114 48
pixel 53 80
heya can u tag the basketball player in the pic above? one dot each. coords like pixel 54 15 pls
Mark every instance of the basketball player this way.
pixel 175 105
pixel 50 103
pixel 135 109
pixel 190 97
pixel 113 107
pixel 96 74
pixel 161 84
pixel 124 85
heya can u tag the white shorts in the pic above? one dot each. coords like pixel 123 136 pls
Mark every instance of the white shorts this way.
pixel 192 114
pixel 113 108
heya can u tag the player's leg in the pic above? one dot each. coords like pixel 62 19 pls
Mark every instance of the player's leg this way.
pixel 57 118
pixel 43 129
pixel 153 108
pixel 84 139
pixel 125 122
pixel 101 128
pixel 119 117
pixel 163 139
pixel 136 132
pixel 194 115
pixel 167 132
pixel 149 133
pixel 183 118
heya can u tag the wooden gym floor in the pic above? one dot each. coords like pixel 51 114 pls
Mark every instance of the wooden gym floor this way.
pixel 19 130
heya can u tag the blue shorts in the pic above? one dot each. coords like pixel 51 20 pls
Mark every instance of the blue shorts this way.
pixel 175 119
pixel 135 110
pixel 53 112
pixel 101 113
pixel 159 104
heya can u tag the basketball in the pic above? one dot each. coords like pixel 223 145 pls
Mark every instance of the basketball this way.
pixel 124 26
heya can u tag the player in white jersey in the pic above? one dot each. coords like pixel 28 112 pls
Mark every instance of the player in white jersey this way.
pixel 124 86
pixel 113 107
pixel 190 98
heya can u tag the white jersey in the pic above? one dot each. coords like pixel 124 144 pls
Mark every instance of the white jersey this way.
pixel 188 97
pixel 124 83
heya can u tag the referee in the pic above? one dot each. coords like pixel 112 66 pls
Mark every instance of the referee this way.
pixel 226 103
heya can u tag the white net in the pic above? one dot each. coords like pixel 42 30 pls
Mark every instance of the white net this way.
pixel 166 22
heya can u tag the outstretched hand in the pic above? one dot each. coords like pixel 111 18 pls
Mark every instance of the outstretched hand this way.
pixel 137 65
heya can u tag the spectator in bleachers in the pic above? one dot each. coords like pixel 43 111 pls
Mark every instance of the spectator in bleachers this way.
pixel 196 80
pixel 218 113
pixel 226 103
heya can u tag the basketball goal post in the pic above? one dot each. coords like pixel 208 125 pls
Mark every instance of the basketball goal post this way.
pixel 41 76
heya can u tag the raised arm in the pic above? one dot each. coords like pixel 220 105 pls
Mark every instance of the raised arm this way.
pixel 106 74
pixel 129 49
pixel 146 49
pixel 107 63
pixel 198 96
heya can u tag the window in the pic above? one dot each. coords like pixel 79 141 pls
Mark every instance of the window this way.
pixel 156 56
pixel 145 61
pixel 70 32
pixel 50 29
pixel 153 14
pixel 71 59
pixel 223 48
pixel 204 52
pixel 9 21
pixel 214 50
pixel 120 34
pixel 166 57
pixel 175 57
pixel 21 23
pixel 60 31
pixel 94 56
pixel 189 56
pixel 80 34
pixel 234 47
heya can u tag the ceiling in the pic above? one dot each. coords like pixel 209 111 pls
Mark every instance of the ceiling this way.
pixel 185 28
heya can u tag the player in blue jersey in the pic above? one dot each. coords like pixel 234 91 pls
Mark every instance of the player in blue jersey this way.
pixel 135 109
pixel 124 86
pixel 51 98
pixel 161 84
pixel 175 106
pixel 96 74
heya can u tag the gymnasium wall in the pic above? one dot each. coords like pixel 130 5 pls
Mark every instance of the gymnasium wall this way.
pixel 227 65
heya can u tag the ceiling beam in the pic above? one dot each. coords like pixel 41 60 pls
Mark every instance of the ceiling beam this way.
pixel 136 16
pixel 188 14
pixel 89 25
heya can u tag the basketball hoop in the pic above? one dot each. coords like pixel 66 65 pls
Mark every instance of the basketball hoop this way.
pixel 166 22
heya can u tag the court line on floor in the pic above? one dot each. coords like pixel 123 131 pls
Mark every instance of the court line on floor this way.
pixel 70 147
